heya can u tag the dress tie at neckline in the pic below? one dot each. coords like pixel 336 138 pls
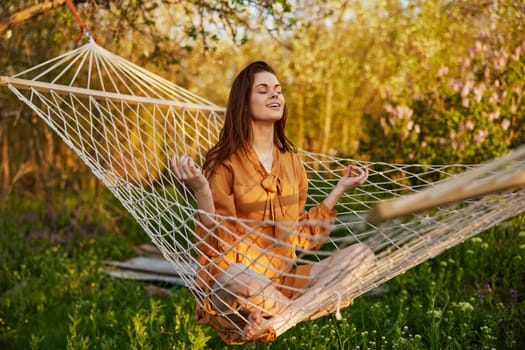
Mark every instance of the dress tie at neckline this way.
pixel 272 185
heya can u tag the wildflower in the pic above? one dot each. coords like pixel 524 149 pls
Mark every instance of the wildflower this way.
pixel 493 115
pixel 514 293
pixel 516 55
pixel 480 294
pixel 480 136
pixel 404 111
pixel 505 123
pixel 494 98
pixel 478 91
pixel 478 46
pixel 500 62
pixel 389 109
pixel 469 84
pixel 443 70
pixel 486 73
pixel 483 292
pixel 455 84
pixel 465 306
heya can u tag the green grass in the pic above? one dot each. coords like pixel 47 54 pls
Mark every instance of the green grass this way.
pixel 54 295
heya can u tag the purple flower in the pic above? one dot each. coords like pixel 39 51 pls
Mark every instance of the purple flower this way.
pixel 514 293
pixel 480 294
pixel 480 136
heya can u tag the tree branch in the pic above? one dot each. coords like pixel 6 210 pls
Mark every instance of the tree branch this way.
pixel 29 13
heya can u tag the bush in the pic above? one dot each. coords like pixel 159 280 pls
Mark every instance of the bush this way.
pixel 467 114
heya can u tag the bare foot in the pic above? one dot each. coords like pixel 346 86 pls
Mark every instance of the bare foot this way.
pixel 254 320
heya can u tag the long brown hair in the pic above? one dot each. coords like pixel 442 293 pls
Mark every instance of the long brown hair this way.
pixel 236 132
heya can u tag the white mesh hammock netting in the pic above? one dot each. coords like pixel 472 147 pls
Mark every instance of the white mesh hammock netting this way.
pixel 125 122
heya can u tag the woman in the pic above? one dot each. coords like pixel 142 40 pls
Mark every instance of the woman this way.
pixel 248 270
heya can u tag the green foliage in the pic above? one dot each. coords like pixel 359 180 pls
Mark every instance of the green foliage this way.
pixel 55 295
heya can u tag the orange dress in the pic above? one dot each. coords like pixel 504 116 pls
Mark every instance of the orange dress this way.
pixel 243 189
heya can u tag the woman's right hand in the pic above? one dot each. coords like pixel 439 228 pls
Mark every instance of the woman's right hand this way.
pixel 185 169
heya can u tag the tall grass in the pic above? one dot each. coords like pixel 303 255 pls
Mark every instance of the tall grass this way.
pixel 54 294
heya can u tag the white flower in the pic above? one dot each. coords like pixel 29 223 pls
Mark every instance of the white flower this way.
pixel 465 306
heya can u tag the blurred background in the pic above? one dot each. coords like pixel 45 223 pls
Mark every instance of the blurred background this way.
pixel 435 81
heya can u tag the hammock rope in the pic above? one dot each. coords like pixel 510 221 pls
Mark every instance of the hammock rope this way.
pixel 125 122
pixel 83 27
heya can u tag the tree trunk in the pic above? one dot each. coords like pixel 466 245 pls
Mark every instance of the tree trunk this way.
pixel 327 129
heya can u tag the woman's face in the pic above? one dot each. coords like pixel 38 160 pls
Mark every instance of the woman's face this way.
pixel 266 98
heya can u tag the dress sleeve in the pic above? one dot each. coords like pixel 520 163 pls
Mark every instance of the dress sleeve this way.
pixel 313 236
pixel 221 186
pixel 214 241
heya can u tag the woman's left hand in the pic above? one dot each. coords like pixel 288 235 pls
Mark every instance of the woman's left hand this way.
pixel 353 177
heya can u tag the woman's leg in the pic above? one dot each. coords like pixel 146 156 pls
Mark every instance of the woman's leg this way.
pixel 350 262
pixel 246 296
pixel 341 268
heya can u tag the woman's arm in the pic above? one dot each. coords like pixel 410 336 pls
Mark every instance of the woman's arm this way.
pixel 186 170
pixel 347 182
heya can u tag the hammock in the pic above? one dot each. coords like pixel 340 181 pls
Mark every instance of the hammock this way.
pixel 125 122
